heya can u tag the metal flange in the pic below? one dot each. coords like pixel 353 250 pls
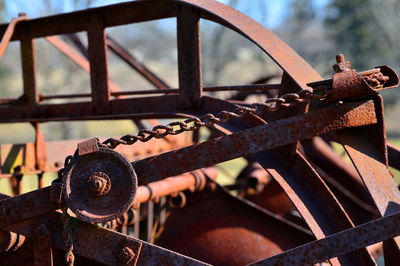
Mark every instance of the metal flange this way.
pixel 99 186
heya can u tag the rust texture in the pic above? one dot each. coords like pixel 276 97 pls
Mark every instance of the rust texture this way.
pixel 152 197
pixel 99 186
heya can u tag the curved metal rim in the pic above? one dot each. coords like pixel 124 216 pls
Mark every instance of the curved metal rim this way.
pixel 301 72
pixel 293 64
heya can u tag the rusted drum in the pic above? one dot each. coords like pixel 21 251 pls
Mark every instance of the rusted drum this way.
pixel 99 186
pixel 220 229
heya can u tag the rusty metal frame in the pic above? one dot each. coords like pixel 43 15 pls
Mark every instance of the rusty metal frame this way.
pixel 265 138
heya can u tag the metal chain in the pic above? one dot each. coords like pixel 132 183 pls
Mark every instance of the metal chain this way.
pixel 67 231
pixel 208 120
pixel 191 124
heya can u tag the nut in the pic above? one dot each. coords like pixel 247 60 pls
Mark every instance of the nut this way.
pixel 99 183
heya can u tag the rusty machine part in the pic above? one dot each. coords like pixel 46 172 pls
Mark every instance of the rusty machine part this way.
pixel 312 205
pixel 99 184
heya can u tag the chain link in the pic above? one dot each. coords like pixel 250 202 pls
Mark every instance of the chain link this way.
pixel 190 124
pixel 208 120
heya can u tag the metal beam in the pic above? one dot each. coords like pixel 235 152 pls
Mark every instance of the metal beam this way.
pixel 98 64
pixel 340 243
pixel 254 140
pixel 189 56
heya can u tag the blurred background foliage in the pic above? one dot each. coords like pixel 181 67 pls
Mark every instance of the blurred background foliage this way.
pixel 366 31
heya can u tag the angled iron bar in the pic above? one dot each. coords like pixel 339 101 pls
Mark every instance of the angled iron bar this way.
pixel 339 243
pixel 166 106
pixel 128 58
pixel 366 147
pixel 105 246
pixel 42 246
pixel 102 245
pixel 311 197
pixel 79 44
pixel 40 202
pixel 6 38
pixel 254 140
pixel 78 59
pixel 29 205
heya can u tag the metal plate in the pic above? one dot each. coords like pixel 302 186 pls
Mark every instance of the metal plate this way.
pixel 99 186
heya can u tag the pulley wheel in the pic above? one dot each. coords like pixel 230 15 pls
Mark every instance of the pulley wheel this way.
pixel 99 186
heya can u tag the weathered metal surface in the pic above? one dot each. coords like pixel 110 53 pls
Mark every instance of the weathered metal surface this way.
pixel 98 64
pixel 46 200
pixel 28 205
pixel 255 140
pixel 312 198
pixel 342 178
pixel 342 81
pixel 99 186
pixel 105 246
pixel 347 83
pixel 290 60
pixel 323 155
pixel 339 243
pixel 366 146
pixel 42 246
pixel 189 56
pixel 30 96
pixel 220 229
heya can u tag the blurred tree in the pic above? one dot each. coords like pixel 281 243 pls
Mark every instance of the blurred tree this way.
pixel 303 30
pixel 354 32
pixel 2 10
pixel 223 47
pixel 385 14
pixel 367 32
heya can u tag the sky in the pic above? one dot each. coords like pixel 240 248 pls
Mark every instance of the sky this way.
pixel 274 13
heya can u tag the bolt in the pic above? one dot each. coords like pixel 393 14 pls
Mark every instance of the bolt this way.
pixel 340 58
pixel 341 64
pixel 126 255
pixel 99 183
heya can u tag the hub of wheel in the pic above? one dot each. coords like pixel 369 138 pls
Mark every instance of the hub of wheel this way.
pixel 99 186
pixel 99 183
